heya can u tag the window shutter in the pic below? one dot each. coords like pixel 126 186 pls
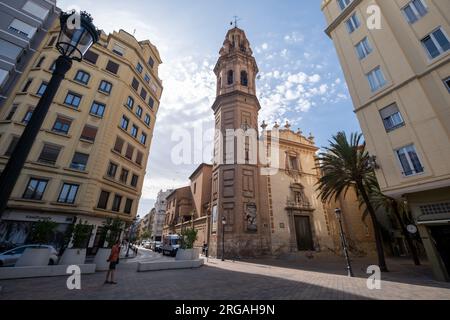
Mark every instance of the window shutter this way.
pixel 388 111
pixel 23 27
pixel 91 57
pixel 112 67
pixel 130 151
pixel 119 145
pixel 139 157
pixel 49 154
pixel 89 133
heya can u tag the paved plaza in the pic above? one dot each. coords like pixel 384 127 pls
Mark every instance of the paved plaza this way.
pixel 290 279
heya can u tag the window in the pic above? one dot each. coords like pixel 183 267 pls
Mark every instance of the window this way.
pixel 40 62
pixel 9 49
pixel 134 180
pixel 79 161
pixel 35 189
pixel 392 118
pixel 89 133
pixel 49 154
pixel 151 62
pixel 139 67
pixel 147 78
pixel 73 99
pixel 436 43
pixel 124 176
pixel 11 113
pixel 97 109
pixel 129 152
pixel 116 203
pixel 151 102
pixel 353 23
pixel 3 76
pixel 409 161
pixel 143 94
pixel 112 67
pixel 124 123
pixel 90 57
pixel 447 83
pixel 344 3
pixel 363 48
pixel 376 79
pixel 195 188
pixel 118 146
pixel 105 87
pixel 42 89
pixel 143 138
pixel 12 146
pixel 53 66
pixel 135 84
pixel 27 85
pixel 230 77
pixel 82 77
pixel 130 102
pixel 134 131
pixel 128 206
pixel 293 162
pixel 244 78
pixel 119 50
pixel 68 193
pixel 52 42
pixel 139 157
pixel 139 111
pixel 112 170
pixel 62 125
pixel 147 119
pixel 28 116
pixel 415 10
pixel 22 28
pixel 103 200
pixel 35 10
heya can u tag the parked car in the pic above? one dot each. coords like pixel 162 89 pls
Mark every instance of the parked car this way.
pixel 10 257
pixel 156 246
pixel 148 244
pixel 171 244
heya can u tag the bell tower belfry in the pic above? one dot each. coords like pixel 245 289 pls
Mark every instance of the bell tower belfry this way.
pixel 238 214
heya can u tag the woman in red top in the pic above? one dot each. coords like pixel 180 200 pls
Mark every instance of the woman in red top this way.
pixel 113 261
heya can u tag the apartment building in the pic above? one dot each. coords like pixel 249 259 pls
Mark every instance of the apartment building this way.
pixel 158 215
pixel 89 161
pixel 23 26
pixel 399 80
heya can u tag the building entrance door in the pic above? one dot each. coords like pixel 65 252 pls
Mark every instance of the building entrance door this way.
pixel 303 233
pixel 441 236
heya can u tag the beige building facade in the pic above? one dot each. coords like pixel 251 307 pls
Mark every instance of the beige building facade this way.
pixel 398 76
pixel 89 160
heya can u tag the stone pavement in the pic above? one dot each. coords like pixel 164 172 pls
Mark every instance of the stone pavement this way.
pixel 263 279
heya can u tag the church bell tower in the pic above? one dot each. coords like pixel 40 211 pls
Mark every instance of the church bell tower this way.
pixel 239 213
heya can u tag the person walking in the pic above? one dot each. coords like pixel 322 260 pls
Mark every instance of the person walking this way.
pixel 113 262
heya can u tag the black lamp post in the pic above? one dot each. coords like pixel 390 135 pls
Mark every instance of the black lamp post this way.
pixel 77 35
pixel 224 223
pixel 130 235
pixel 338 213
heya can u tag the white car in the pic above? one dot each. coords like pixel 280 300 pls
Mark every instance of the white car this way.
pixel 10 257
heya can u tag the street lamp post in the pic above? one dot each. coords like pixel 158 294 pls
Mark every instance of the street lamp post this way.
pixel 129 236
pixel 338 213
pixel 76 36
pixel 224 223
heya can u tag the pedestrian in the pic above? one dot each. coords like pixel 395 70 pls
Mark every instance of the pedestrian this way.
pixel 113 261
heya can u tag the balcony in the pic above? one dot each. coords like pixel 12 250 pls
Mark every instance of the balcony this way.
pixel 299 205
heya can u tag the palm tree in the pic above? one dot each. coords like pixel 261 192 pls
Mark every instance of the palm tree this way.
pixel 345 165
pixel 397 208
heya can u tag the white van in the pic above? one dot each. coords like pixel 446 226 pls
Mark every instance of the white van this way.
pixel 171 244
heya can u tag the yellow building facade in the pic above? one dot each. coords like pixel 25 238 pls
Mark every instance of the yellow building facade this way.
pixel 398 75
pixel 90 157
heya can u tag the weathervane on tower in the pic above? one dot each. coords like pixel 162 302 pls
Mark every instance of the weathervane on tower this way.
pixel 236 19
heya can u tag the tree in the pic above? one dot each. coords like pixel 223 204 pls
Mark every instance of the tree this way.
pixel 188 237
pixel 146 235
pixel 112 228
pixel 397 208
pixel 345 164
pixel 42 231
pixel 81 234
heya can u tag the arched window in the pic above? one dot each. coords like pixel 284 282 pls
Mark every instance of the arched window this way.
pixel 230 77
pixel 40 61
pixel 244 78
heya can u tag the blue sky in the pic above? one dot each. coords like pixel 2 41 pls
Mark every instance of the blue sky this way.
pixel 300 76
